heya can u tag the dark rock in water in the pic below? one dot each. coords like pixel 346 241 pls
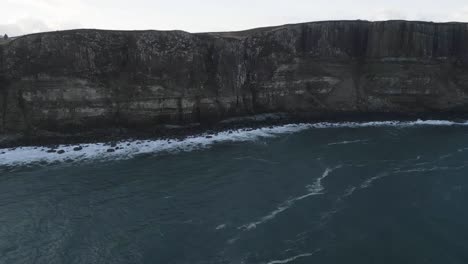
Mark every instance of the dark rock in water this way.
pixel 51 151
pixel 209 137
pixel 111 150
pixel 322 69
pixel 61 151
pixel 78 148
pixel 113 144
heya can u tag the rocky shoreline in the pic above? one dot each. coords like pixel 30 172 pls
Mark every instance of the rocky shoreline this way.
pixel 110 137
pixel 129 148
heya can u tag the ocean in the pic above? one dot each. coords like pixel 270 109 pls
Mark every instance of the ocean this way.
pixel 371 192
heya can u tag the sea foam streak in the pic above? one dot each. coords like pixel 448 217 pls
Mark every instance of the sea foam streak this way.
pixel 314 189
pixel 346 142
pixel 283 261
pixel 128 149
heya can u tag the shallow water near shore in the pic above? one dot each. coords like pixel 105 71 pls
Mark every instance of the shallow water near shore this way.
pixel 375 192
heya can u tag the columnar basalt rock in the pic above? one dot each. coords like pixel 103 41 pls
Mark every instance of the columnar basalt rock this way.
pixel 81 80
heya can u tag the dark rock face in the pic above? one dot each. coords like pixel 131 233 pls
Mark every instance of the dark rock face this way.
pixel 81 80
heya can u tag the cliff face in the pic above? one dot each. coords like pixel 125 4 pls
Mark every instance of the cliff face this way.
pixel 88 79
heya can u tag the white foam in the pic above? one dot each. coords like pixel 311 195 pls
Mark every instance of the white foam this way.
pixel 370 181
pixel 292 258
pixel 390 123
pixel 434 168
pixel 314 189
pixel 219 227
pixel 348 192
pixel 346 142
pixel 364 185
pixel 317 186
pixel 129 149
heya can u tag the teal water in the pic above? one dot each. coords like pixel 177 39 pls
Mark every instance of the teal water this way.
pixel 384 194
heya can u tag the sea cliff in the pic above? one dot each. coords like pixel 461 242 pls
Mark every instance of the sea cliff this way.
pixel 96 82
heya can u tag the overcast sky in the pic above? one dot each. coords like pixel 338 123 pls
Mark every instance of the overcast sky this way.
pixel 28 16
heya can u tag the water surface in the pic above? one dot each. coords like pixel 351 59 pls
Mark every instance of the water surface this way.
pixel 349 194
